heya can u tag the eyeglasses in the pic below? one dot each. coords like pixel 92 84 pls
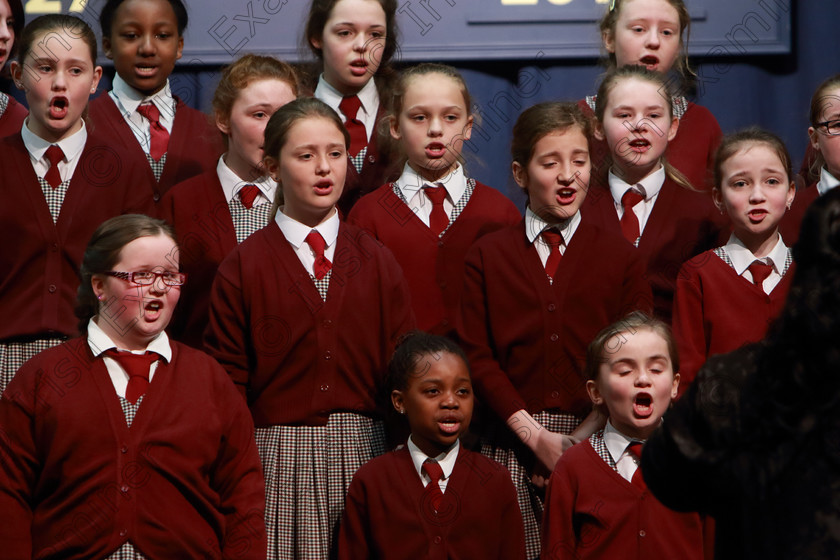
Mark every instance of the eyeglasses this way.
pixel 831 128
pixel 148 277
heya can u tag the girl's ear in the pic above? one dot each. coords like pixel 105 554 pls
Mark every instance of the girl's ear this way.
pixel 97 283
pixel 393 126
pixel 598 131
pixel 316 42
pixel 180 47
pixel 272 165
pixel 717 198
pixel 520 175
pixel 106 48
pixel 812 136
pixel 97 75
pixel 791 194
pixel 672 130
pixel 16 70
pixel 609 41
pixel 468 128
pixel 397 401
pixel 222 123
pixel 594 393
pixel 675 386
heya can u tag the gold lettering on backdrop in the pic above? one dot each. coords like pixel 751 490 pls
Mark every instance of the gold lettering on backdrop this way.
pixel 38 7
pixel 535 2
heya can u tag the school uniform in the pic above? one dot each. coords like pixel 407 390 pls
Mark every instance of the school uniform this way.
pixel 210 219
pixel 12 115
pixel 792 220
pixel 388 514
pixel 371 167
pixel 89 474
pixel 398 215
pixel 717 306
pixel 526 336
pixel 692 150
pixel 50 229
pixel 594 510
pixel 309 355
pixel 675 225
pixel 194 143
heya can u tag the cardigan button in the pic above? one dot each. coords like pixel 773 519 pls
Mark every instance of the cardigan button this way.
pixel 124 449
pixel 124 488
pixel 328 355
pixel 325 388
pixel 156 197
pixel 52 288
pixel 438 539
pixel 372 158
pixel 552 307
pixel 642 533
pixel 554 337
pixel 123 532
pixel 327 323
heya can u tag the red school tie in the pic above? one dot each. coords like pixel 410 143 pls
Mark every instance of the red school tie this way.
pixel 438 220
pixel 350 106
pixel 248 194
pixel 635 449
pixel 322 263
pixel 159 135
pixel 54 155
pixel 137 367
pixel 553 239
pixel 760 271
pixel 629 221
pixel 433 492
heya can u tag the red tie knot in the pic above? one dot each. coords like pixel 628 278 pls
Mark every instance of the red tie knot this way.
pixel 552 238
pixel 631 198
pixel 635 449
pixel 350 106
pixel 436 194
pixel 137 367
pixel 248 194
pixel 150 112
pixel 760 271
pixel 433 470
pixel 54 155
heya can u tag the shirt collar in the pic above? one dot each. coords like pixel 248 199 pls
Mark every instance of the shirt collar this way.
pixel 827 181
pixel 72 146
pixel 130 98
pixel 534 226
pixel 99 342
pixel 446 460
pixel 368 95
pixel 615 441
pixel 652 184
pixel 455 183
pixel 296 232
pixel 232 183
pixel 742 257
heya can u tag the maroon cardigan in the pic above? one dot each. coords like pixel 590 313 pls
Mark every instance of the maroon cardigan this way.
pixel 433 266
pixel 194 144
pixel 683 224
pixel 526 339
pixel 39 268
pixel 206 235
pixel 386 517
pixel 11 121
pixel 76 482
pixel 296 357
pixel 717 311
pixel 591 511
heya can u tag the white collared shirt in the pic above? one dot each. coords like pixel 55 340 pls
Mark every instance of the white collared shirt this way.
pixel 128 99
pixel 534 226
pixel 410 185
pixel 617 443
pixel 368 95
pixel 232 184
pixel 99 342
pixel 72 146
pixel 827 181
pixel 742 258
pixel 296 232
pixel 652 184
pixel 446 461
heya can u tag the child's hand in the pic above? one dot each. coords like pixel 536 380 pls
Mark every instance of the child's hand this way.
pixel 548 452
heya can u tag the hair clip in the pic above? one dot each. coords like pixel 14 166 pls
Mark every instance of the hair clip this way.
pixel 612 5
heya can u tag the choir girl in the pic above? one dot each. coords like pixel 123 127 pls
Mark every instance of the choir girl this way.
pixel 534 295
pixel 728 296
pixel 122 444
pixel 824 155
pixel 597 503
pixel 218 209
pixel 304 316
pixel 431 497
pixel 753 440
pixel 433 213
pixel 12 113
pixel 144 120
pixel 653 34
pixel 60 180
pixel 644 197
pixel 355 41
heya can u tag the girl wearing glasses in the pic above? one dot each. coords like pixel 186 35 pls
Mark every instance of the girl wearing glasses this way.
pixel 824 136
pixel 122 443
